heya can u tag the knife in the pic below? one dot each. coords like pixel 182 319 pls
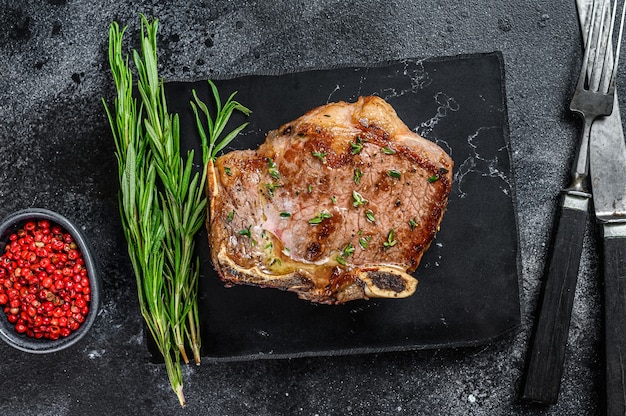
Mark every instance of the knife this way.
pixel 607 165
pixel 607 153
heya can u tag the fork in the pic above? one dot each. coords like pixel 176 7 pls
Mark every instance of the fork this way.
pixel 595 91
pixel 593 98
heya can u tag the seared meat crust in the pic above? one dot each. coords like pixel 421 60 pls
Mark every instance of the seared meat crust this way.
pixel 337 205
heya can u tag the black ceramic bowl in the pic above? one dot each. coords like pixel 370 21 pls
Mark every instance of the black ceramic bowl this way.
pixel 8 333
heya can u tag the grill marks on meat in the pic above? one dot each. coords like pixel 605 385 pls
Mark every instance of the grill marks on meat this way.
pixel 337 205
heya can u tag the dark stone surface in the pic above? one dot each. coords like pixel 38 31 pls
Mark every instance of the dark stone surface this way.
pixel 53 73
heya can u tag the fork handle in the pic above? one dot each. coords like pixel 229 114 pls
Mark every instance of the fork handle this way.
pixel 615 317
pixel 547 352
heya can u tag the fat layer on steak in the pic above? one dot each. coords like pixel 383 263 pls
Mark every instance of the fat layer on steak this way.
pixel 339 204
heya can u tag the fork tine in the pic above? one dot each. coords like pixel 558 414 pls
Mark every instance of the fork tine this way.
pixel 619 45
pixel 605 81
pixel 585 71
pixel 601 47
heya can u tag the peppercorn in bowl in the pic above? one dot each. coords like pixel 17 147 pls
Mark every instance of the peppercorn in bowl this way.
pixel 49 284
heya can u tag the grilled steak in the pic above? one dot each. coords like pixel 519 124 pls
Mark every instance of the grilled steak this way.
pixel 337 205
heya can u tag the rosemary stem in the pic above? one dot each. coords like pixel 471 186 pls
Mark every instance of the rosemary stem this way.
pixel 140 213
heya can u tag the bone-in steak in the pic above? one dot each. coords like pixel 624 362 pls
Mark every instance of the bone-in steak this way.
pixel 337 205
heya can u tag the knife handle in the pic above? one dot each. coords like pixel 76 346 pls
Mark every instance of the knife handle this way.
pixel 547 352
pixel 615 317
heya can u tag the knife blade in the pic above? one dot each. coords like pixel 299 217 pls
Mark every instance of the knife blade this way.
pixel 607 166
pixel 607 159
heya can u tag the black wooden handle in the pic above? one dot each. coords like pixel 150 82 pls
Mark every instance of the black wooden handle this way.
pixel 547 350
pixel 615 321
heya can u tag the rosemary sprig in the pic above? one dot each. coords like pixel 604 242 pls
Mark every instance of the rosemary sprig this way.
pixel 211 129
pixel 182 201
pixel 210 135
pixel 161 219
pixel 140 213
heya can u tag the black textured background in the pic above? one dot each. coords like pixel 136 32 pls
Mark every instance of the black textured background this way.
pixel 53 72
